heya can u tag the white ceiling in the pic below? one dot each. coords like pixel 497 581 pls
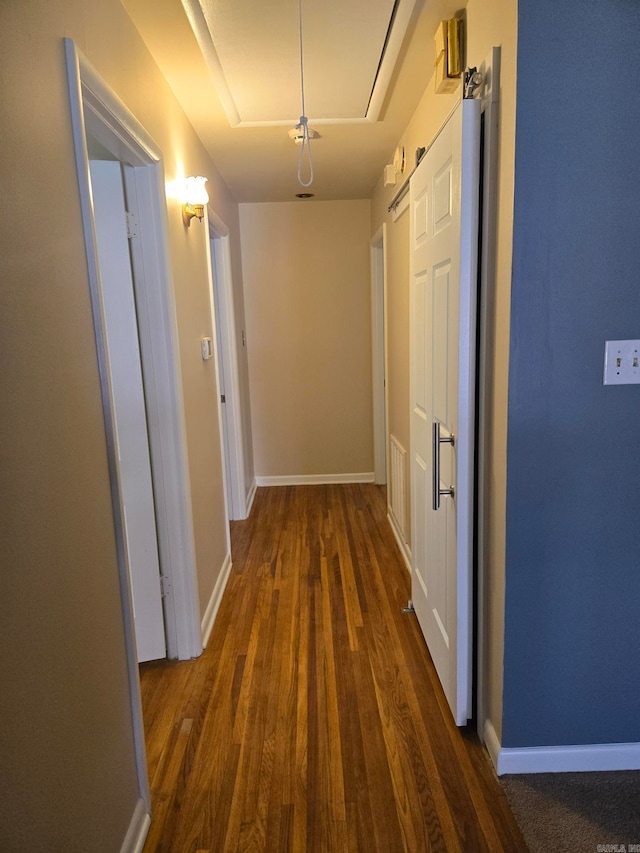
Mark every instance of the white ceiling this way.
pixel 235 67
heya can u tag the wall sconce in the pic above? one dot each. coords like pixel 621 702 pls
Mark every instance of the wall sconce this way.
pixel 196 197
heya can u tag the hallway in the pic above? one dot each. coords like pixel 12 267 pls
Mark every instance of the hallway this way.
pixel 314 720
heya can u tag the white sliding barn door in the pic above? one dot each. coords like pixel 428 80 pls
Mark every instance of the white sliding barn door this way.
pixel 444 197
pixel 128 407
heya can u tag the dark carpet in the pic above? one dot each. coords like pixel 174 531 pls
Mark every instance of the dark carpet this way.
pixel 576 812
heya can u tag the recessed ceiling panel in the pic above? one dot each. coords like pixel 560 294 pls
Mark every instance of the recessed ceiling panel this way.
pixel 253 50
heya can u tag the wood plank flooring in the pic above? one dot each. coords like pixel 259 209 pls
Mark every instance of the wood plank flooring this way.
pixel 314 720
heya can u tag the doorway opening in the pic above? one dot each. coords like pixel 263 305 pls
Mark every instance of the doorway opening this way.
pixel 99 117
pixel 112 218
pixel 238 500
pixel 379 355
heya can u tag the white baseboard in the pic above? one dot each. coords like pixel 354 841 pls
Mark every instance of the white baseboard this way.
pixel 315 479
pixel 560 759
pixel 402 545
pixel 138 829
pixel 214 602
pixel 250 496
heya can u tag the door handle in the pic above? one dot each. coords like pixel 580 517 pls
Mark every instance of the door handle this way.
pixel 437 441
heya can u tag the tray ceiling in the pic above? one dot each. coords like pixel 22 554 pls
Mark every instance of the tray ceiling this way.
pixel 253 53
pixel 241 92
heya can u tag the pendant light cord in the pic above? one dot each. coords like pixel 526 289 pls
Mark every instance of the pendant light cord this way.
pixel 301 62
pixel 303 125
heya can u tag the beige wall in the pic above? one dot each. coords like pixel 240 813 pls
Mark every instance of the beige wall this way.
pixel 308 313
pixel 68 776
pixel 489 23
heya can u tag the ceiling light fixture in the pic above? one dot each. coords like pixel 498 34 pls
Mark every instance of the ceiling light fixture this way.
pixel 302 128
pixel 298 136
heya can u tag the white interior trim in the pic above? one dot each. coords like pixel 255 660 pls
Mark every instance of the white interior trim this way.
pixel 561 759
pixel 73 61
pixel 138 829
pixel 201 31
pixel 401 24
pixel 314 479
pixel 209 618
pixel 377 252
pixel 219 261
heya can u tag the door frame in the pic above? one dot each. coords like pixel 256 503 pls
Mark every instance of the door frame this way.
pixel 219 263
pixel 490 106
pixel 97 111
pixel 378 258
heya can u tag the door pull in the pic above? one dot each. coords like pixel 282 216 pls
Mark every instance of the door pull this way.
pixel 437 441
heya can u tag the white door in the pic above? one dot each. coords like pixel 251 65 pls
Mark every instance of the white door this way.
pixel 378 346
pixel 444 236
pixel 127 400
pixel 222 373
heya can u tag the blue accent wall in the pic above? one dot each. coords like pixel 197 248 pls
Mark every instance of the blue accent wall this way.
pixel 572 621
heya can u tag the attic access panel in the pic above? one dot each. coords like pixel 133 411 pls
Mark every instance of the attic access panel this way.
pixel 253 51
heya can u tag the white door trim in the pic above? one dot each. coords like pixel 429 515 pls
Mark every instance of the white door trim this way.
pixel 378 255
pixel 97 110
pixel 219 261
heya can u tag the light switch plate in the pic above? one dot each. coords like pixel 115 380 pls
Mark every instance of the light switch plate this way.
pixel 621 363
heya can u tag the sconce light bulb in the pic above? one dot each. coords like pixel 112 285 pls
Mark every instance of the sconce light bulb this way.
pixel 195 190
pixel 196 197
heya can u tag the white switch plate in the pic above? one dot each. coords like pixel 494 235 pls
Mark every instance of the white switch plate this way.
pixel 621 363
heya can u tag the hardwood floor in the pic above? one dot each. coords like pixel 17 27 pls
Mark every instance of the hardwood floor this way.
pixel 314 720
